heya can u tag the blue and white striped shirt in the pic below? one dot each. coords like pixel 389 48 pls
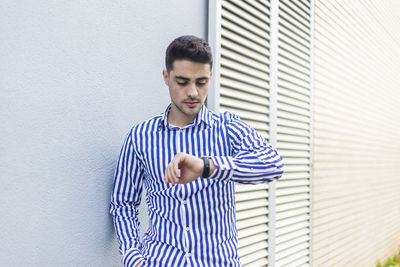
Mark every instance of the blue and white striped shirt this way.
pixel 190 224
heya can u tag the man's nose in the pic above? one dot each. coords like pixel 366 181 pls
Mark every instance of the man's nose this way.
pixel 192 90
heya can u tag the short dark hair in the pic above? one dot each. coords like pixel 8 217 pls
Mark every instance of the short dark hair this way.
pixel 188 47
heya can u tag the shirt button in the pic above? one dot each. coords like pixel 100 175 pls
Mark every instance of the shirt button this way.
pixel 184 202
pixel 187 229
pixel 188 255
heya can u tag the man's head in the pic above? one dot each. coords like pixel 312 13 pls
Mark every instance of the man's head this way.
pixel 187 74
pixel 188 47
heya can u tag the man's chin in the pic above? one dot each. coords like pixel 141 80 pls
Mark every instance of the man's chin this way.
pixel 192 111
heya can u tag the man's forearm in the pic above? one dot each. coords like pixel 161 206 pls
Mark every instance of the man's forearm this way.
pixel 248 167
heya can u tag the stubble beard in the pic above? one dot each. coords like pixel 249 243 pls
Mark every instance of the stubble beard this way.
pixel 187 111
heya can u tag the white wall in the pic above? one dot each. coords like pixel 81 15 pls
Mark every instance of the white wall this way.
pixel 74 77
pixel 356 185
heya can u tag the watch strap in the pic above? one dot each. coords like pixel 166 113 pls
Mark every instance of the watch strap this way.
pixel 206 168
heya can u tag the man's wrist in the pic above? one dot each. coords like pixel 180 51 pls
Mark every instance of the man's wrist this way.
pixel 213 167
pixel 132 257
pixel 222 167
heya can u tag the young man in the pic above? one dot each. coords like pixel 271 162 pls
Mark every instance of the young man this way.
pixel 188 158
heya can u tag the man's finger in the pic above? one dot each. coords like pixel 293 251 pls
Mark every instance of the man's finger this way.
pixel 172 172
pixel 168 174
pixel 176 166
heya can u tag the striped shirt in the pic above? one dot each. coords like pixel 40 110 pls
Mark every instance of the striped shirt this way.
pixel 189 224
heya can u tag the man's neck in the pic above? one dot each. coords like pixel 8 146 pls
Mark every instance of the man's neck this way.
pixel 177 118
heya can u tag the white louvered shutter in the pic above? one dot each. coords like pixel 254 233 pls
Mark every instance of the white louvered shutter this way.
pixel 293 134
pixel 244 90
pixel 274 98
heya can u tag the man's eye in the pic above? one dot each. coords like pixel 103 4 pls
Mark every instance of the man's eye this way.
pixel 182 83
pixel 201 83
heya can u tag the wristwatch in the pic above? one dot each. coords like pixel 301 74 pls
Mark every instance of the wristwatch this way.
pixel 206 168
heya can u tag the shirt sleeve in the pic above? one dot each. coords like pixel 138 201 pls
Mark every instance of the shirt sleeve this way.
pixel 252 159
pixel 125 199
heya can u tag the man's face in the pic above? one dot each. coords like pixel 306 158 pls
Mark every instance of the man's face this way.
pixel 188 84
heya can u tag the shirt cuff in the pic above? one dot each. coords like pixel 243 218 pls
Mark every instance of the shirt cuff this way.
pixel 132 257
pixel 225 168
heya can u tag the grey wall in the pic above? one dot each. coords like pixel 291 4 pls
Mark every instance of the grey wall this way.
pixel 74 77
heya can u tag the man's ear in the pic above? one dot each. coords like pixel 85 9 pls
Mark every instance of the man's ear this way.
pixel 165 76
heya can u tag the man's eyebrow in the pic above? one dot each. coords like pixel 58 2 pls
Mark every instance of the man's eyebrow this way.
pixel 187 79
pixel 182 78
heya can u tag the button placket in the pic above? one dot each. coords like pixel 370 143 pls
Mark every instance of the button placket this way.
pixel 185 224
pixel 188 233
pixel 184 205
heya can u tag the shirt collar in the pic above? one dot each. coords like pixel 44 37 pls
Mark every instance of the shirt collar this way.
pixel 204 115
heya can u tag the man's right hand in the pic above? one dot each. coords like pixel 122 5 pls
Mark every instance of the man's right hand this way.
pixel 185 168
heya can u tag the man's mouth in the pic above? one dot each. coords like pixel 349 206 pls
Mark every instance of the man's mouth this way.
pixel 191 103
